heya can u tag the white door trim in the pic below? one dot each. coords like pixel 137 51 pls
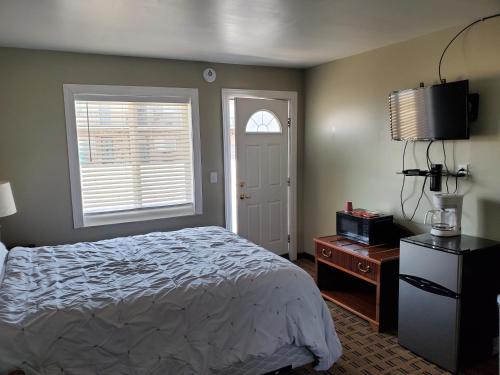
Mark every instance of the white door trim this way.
pixel 291 97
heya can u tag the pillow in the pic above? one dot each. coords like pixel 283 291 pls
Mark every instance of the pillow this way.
pixel 3 260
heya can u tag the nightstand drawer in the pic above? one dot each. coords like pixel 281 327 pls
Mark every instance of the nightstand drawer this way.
pixel 324 252
pixel 355 264
pixel 364 268
pixel 347 261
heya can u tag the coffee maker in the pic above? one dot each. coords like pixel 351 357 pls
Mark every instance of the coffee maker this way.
pixel 446 219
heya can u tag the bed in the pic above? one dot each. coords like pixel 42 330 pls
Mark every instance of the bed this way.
pixel 194 301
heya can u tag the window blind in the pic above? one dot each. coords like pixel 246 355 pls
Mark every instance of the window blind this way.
pixel 134 155
pixel 408 114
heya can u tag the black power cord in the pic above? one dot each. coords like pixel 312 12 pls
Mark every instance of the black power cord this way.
pixel 429 162
pixel 460 173
pixel 457 35
pixel 403 184
pixel 419 198
pixel 404 153
pixel 418 202
pixel 446 166
pixel 402 201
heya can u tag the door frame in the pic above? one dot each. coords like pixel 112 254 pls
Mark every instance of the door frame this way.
pixel 291 97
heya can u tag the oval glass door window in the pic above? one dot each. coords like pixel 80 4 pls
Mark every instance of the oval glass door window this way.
pixel 263 122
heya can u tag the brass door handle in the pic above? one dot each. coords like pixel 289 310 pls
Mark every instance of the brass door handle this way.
pixel 244 196
pixel 325 253
pixel 364 269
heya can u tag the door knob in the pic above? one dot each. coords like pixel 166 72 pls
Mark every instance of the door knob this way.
pixel 244 196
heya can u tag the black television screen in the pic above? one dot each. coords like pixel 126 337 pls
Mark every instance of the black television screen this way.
pixel 438 112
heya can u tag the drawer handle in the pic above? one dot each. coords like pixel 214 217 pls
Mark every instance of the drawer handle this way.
pixel 364 269
pixel 325 253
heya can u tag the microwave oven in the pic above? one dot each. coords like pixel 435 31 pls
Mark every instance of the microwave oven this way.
pixel 370 230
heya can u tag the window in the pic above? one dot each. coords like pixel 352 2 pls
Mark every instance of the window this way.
pixel 263 122
pixel 133 153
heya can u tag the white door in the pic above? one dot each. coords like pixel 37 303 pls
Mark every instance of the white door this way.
pixel 262 172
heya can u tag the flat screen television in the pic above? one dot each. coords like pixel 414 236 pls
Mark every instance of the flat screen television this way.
pixel 439 112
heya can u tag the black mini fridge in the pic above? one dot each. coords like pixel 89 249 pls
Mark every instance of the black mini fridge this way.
pixel 447 298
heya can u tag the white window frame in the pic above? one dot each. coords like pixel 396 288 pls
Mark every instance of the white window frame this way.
pixel 129 93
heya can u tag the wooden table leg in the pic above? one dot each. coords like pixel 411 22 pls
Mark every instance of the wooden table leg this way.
pixel 375 327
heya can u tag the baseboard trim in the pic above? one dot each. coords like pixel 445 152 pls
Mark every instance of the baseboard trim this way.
pixel 305 256
pixel 300 256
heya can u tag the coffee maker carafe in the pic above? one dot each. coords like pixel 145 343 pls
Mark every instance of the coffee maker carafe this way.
pixel 446 219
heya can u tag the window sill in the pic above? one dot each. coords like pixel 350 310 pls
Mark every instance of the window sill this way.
pixel 136 216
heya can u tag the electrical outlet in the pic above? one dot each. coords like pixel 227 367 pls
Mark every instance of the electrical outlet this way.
pixel 463 169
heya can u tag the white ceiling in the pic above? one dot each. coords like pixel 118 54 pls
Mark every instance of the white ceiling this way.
pixel 298 33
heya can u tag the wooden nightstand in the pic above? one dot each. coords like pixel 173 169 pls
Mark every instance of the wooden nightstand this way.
pixel 361 278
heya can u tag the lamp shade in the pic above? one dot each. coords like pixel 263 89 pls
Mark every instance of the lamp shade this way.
pixel 7 205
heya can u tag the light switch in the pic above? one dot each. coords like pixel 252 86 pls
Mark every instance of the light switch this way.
pixel 213 177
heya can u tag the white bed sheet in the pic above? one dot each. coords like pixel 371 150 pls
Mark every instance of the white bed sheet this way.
pixel 193 301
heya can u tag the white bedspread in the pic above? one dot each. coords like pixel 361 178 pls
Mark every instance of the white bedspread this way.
pixel 185 302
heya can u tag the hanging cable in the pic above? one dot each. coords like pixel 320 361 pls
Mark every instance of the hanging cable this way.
pixel 404 153
pixel 403 184
pixel 422 191
pixel 402 201
pixel 456 36
pixel 419 199
pixel 429 162
pixel 446 166
pixel 418 202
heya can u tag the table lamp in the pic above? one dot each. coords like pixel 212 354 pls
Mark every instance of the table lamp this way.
pixel 7 204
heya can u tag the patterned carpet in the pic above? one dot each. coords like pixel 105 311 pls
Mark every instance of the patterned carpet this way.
pixel 369 353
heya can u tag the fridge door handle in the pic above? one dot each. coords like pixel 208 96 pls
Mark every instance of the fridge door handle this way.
pixel 428 286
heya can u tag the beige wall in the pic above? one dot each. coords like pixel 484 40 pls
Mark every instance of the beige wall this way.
pixel 348 154
pixel 33 150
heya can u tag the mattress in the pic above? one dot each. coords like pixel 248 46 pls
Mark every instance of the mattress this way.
pixel 194 301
